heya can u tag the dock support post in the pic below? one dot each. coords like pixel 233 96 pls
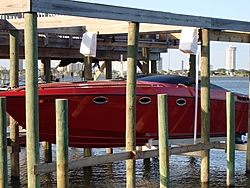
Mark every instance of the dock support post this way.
pixel 108 69
pixel 230 138
pixel 62 142
pixel 205 103
pixel 47 147
pixel 153 67
pixel 32 119
pixel 109 150
pixel 87 76
pixel 47 68
pixel 87 68
pixel 145 58
pixel 163 140
pixel 3 145
pixel 133 32
pixel 192 66
pixel 248 135
pixel 109 76
pixel 14 127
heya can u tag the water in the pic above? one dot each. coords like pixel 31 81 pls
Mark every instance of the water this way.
pixel 184 171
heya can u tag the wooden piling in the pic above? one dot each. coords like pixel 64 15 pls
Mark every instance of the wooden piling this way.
pixel 14 58
pixel 205 102
pixel 109 76
pixel 87 68
pixel 133 32
pixel 145 58
pixel 163 140
pixel 108 69
pixel 47 147
pixel 109 150
pixel 153 67
pixel 3 145
pixel 230 105
pixel 14 127
pixel 47 68
pixel 248 135
pixel 32 122
pixel 62 143
pixel 192 66
pixel 87 76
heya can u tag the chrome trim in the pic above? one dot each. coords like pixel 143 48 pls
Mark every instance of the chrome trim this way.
pixel 145 100
pixel 181 102
pixel 100 100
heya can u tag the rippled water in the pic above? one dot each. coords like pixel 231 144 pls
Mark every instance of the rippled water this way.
pixel 184 170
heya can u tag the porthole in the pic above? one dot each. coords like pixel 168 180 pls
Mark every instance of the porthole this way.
pixel 100 100
pixel 144 100
pixel 181 102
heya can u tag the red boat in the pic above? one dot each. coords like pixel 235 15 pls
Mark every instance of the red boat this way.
pixel 96 110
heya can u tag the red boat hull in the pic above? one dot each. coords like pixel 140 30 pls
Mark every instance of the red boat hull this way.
pixel 102 124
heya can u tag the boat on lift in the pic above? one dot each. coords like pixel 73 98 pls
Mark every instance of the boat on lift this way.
pixel 97 110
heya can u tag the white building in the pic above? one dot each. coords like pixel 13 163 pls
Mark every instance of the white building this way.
pixel 74 67
pixel 231 58
pixel 20 64
pixel 159 64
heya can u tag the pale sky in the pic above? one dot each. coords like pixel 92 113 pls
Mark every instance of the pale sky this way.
pixel 228 9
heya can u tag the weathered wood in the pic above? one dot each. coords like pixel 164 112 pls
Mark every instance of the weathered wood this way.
pixel 230 110
pixel 138 63
pixel 141 44
pixel 32 122
pixel 229 36
pixel 95 160
pixel 14 82
pixel 92 10
pixel 15 6
pixel 14 58
pixel 59 42
pixel 60 53
pixel 99 72
pixel 145 60
pixel 133 32
pixel 87 68
pixel 109 150
pixel 163 140
pixel 87 152
pixel 62 143
pixel 192 66
pixel 205 103
pixel 153 67
pixel 3 145
pixel 108 63
pixel 46 61
pixel 248 135
pixel 47 151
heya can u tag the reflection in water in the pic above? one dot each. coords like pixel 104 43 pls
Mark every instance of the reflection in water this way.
pixel 184 172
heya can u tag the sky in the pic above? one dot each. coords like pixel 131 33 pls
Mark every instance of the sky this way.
pixel 227 9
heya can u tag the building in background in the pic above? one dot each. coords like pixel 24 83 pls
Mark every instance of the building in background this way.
pixel 231 59
pixel 74 67
pixel 20 67
pixel 159 64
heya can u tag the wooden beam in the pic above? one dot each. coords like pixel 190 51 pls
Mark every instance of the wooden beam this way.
pixel 57 53
pixel 16 6
pixel 59 42
pixel 101 11
pixel 94 10
pixel 229 36
pixel 95 160
pixel 101 25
